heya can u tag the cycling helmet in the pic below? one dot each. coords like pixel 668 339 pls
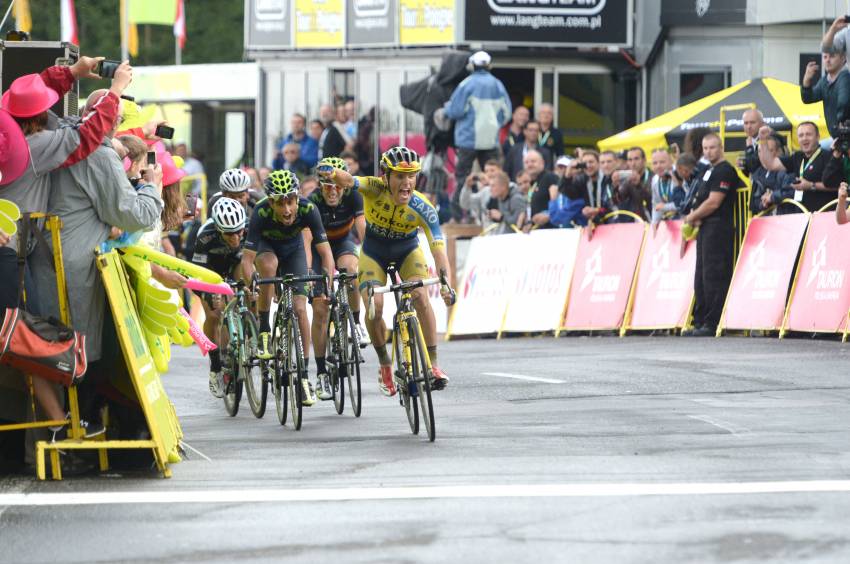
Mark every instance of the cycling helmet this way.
pixel 400 159
pixel 234 180
pixel 228 215
pixel 335 162
pixel 281 183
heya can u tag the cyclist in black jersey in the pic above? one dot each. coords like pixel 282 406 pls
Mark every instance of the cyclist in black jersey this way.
pixel 218 247
pixel 275 242
pixel 341 211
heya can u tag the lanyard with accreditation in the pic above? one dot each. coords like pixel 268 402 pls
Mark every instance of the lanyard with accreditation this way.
pixel 804 164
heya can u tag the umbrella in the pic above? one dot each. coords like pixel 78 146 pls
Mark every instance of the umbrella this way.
pixel 779 101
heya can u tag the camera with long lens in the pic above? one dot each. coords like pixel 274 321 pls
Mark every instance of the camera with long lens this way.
pixel 842 137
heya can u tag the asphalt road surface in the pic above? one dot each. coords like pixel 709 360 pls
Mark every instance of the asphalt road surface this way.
pixel 548 450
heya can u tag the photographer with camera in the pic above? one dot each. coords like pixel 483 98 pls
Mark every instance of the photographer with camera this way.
pixel 667 195
pixel 585 181
pixel 806 166
pixel 833 88
pixel 633 185
pixel 749 161
pixel 475 194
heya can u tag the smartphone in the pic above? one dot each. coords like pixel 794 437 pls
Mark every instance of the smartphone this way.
pixel 847 18
pixel 106 68
pixel 324 168
pixel 164 132
pixel 152 158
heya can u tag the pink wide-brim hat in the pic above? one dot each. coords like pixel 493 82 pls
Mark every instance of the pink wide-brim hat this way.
pixel 170 172
pixel 14 152
pixel 28 96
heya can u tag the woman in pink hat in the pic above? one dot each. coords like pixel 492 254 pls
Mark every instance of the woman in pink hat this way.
pixel 29 152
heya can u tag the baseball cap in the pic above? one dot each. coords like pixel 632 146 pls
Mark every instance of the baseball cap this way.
pixel 480 59
pixel 563 161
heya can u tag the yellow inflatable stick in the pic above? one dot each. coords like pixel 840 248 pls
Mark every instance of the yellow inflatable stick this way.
pixel 157 309
pixel 9 216
pixel 183 267
pixel 140 267
pixel 158 352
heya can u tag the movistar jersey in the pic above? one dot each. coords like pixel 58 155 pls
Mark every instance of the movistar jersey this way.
pixel 338 220
pixel 388 224
pixel 263 225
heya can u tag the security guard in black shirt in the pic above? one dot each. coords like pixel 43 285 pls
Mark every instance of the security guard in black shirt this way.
pixel 714 214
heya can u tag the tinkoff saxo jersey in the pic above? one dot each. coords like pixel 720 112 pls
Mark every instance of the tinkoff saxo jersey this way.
pixel 263 225
pixel 391 228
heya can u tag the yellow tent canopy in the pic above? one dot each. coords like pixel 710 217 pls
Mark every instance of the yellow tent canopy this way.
pixel 779 101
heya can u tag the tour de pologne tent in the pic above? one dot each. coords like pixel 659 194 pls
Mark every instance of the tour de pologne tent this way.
pixel 778 100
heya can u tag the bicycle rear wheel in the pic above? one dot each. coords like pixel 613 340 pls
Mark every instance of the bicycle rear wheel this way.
pixel 231 365
pixel 406 386
pixel 294 370
pixel 335 360
pixel 422 377
pixel 255 372
pixel 352 365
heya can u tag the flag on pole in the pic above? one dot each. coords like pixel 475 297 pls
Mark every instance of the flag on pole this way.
pixel 69 21
pixel 161 12
pixel 180 25
pixel 23 18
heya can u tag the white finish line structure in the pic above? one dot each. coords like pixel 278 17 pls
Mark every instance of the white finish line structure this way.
pixel 436 492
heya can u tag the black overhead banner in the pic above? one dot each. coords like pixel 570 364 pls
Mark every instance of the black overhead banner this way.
pixel 549 22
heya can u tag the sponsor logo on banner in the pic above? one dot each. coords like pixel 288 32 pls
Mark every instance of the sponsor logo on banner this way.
pixel 319 23
pixel 604 287
pixel 665 284
pixel 590 8
pixel 821 297
pixel 426 22
pixel 828 283
pixel 605 268
pixel 762 281
pixel 756 298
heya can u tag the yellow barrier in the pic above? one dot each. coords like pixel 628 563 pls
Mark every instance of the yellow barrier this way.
pixel 163 426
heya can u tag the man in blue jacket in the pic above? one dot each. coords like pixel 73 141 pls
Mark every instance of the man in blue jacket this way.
pixel 480 106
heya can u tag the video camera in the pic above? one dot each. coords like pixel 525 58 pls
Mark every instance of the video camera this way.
pixel 842 137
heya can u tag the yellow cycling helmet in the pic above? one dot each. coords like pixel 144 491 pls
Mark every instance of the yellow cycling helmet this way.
pixel 281 184
pixel 335 162
pixel 400 159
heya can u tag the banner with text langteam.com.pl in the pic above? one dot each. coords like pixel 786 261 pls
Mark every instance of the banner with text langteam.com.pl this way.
pixel 558 22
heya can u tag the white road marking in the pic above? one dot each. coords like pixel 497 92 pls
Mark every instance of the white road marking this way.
pixel 521 377
pixel 435 492
pixel 186 445
pixel 736 430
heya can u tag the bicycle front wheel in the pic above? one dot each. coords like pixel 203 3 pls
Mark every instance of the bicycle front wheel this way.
pixel 294 370
pixel 404 382
pixel 231 358
pixel 354 359
pixel 335 360
pixel 421 376
pixel 255 372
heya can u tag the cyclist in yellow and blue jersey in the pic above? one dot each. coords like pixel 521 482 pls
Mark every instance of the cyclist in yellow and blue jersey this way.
pixel 395 212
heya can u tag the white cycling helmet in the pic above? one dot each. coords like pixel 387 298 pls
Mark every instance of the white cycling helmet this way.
pixel 228 215
pixel 234 180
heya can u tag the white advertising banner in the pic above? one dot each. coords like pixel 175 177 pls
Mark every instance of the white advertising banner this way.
pixel 544 267
pixel 488 283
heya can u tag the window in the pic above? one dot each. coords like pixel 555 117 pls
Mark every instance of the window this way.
pixel 697 84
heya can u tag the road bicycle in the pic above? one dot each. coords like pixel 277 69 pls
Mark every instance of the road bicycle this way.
pixel 413 376
pixel 343 357
pixel 286 366
pixel 239 331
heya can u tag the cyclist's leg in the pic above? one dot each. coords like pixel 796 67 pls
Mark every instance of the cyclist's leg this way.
pixel 346 259
pixel 321 314
pixel 266 264
pixel 370 271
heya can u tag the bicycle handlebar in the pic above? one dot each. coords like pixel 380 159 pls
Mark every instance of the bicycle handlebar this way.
pixel 290 280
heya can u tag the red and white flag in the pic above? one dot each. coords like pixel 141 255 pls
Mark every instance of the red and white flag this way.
pixel 69 21
pixel 180 24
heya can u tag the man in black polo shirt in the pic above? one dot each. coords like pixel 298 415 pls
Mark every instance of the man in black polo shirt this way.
pixel 541 180
pixel 807 165
pixel 714 212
